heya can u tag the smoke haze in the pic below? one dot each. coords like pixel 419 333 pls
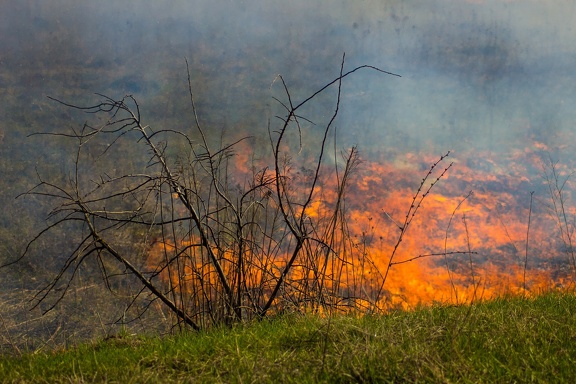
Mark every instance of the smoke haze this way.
pixel 475 74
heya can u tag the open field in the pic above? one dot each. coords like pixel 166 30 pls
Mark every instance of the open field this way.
pixel 182 166
pixel 505 340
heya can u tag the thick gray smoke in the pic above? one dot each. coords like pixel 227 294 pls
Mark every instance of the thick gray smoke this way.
pixel 475 73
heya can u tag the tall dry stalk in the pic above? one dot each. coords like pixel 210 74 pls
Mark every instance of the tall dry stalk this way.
pixel 450 273
pixel 557 184
pixel 421 193
pixel 527 243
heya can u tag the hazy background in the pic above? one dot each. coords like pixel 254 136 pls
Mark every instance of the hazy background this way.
pixel 475 73
pixel 477 77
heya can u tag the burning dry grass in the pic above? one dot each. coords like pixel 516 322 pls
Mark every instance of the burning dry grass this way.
pixel 217 235
pixel 458 249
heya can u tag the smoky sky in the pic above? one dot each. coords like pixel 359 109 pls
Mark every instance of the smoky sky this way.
pixel 475 74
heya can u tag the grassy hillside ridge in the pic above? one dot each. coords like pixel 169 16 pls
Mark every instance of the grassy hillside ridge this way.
pixel 504 340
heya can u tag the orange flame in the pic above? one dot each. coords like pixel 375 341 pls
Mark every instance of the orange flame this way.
pixel 459 247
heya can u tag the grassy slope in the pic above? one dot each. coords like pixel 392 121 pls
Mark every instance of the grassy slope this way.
pixel 506 340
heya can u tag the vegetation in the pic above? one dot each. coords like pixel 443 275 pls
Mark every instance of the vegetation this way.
pixel 505 340
pixel 211 233
pixel 155 226
pixel 213 240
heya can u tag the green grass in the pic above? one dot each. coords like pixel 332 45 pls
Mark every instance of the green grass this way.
pixel 505 340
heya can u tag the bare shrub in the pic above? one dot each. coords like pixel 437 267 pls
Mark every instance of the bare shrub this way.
pixel 168 217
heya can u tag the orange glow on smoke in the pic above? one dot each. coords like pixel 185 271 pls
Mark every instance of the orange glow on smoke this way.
pixel 460 247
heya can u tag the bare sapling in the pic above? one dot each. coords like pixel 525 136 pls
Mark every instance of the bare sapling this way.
pixel 173 225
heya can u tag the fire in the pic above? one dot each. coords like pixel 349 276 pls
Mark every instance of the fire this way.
pixel 487 228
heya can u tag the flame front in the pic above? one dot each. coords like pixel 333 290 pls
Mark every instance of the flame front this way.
pixel 488 227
